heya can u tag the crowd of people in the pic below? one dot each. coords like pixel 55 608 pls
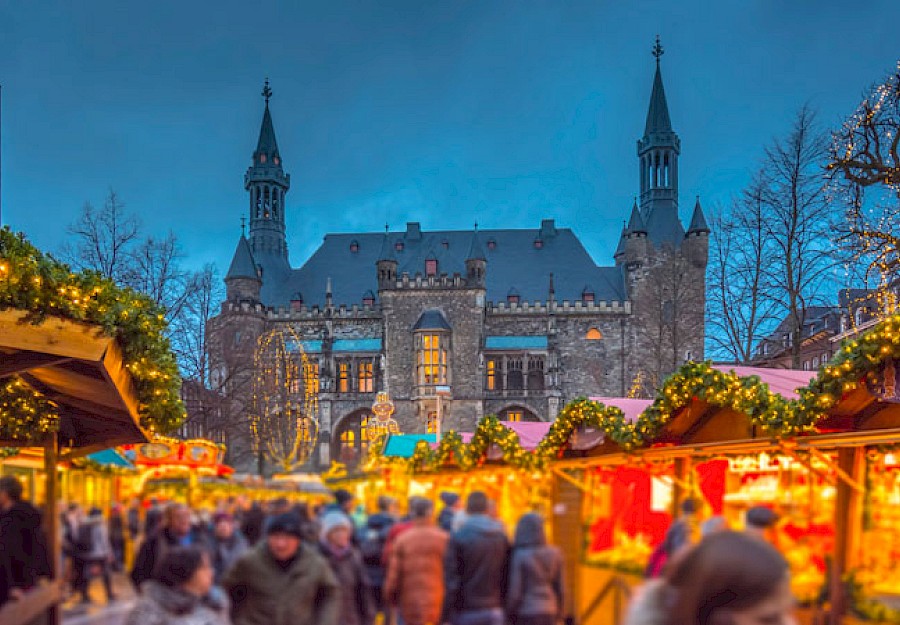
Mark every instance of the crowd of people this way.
pixel 286 564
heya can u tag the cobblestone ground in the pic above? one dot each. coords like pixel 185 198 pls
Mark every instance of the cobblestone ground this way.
pixel 98 611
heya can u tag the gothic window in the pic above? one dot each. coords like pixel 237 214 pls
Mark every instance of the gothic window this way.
pixel 535 373
pixel 666 170
pixel 431 266
pixel 815 362
pixel 431 359
pixel 365 376
pixel 515 379
pixel 343 377
pixel 493 374
pixel 593 335
pixel 431 422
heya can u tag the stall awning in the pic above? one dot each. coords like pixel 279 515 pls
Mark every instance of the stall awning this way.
pixel 404 445
pixel 631 408
pixel 110 458
pixel 784 382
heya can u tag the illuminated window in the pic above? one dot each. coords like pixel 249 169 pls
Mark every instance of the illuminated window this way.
pixel 493 375
pixel 365 376
pixel 348 439
pixel 364 432
pixel 431 267
pixel 432 422
pixel 431 356
pixel 344 377
pixel 515 378
pixel 514 415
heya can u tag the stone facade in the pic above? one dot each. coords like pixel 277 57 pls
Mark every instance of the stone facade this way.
pixel 509 322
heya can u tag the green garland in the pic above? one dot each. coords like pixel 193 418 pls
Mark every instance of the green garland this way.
pixel 583 412
pixel 43 287
pixel 857 363
pixel 8 452
pixel 867 609
pixel 699 381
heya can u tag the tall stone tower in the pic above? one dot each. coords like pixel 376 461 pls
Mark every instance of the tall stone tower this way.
pixel 267 184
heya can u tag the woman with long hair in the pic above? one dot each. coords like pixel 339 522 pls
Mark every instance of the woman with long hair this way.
pixel 729 578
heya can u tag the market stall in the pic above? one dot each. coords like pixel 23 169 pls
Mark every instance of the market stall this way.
pixel 84 365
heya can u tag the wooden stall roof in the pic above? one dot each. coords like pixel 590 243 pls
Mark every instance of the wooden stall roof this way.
pixel 79 368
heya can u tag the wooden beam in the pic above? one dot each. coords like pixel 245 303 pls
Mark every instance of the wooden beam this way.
pixel 51 517
pixel 25 361
pixel 80 387
pixel 52 336
pixel 834 466
pixel 571 480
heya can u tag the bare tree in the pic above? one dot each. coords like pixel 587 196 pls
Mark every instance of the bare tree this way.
pixel 189 330
pixel 103 238
pixel 797 218
pixel 740 306
pixel 154 268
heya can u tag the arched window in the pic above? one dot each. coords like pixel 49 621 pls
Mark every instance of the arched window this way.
pixel 535 373
pixel 666 170
pixel 593 335
pixel 515 377
pixel 517 414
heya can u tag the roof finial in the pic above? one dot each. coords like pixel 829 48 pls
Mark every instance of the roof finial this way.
pixel 387 227
pixel 267 92
pixel 243 225
pixel 658 50
pixel 476 226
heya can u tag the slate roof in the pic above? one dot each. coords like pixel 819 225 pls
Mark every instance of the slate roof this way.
pixel 267 144
pixel 242 264
pixel 698 220
pixel 432 319
pixel 658 114
pixel 513 261
pixel 663 225
pixel 636 222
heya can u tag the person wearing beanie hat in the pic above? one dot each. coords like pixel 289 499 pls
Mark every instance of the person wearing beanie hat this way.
pixel 228 544
pixel 357 601
pixel 283 581
pixel 759 520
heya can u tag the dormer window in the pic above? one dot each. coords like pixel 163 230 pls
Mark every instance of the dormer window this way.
pixel 445 244
pixel 354 246
pixel 512 297
pixel 492 244
pixel 587 295
pixel 398 246
pixel 538 244
pixel 431 267
pixel 368 298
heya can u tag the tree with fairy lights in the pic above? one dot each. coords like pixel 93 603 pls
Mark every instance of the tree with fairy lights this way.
pixel 865 158
pixel 285 405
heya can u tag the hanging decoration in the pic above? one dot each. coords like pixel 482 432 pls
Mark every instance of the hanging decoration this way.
pixel 284 422
pixel 42 287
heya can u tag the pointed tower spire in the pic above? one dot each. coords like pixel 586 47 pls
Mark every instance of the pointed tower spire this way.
pixel 620 248
pixel 698 220
pixel 386 265
pixel 476 262
pixel 658 152
pixel 476 252
pixel 267 185
pixel 636 223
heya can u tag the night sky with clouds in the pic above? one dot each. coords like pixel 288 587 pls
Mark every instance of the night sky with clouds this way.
pixel 447 113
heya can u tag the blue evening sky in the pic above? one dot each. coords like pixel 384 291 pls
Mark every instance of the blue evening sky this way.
pixel 448 112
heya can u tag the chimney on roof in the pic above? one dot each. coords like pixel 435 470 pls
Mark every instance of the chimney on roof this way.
pixel 413 230
pixel 548 229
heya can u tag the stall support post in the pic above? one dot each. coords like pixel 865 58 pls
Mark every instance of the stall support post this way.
pixel 847 527
pixel 51 518
pixel 682 472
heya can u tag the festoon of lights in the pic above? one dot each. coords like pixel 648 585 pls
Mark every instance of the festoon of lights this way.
pixel 284 422
pixel 42 287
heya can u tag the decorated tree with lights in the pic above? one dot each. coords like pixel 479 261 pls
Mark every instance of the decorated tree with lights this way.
pixel 285 405
pixel 865 163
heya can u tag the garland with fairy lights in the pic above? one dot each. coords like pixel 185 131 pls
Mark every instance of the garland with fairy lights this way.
pixel 857 363
pixel 42 287
pixel 699 381
pixel 583 412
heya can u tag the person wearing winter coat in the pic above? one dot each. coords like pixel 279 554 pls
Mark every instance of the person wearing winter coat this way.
pixel 94 554
pixel 452 504
pixel 116 528
pixel 372 539
pixel 282 581
pixel 415 574
pixel 228 544
pixel 476 568
pixel 357 598
pixel 729 577
pixel 22 540
pixel 176 531
pixel 535 592
pixel 252 523
pixel 181 592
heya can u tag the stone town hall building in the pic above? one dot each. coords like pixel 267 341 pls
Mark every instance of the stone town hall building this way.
pixel 516 322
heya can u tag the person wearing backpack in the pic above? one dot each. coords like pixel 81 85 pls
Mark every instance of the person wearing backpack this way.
pixel 372 540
